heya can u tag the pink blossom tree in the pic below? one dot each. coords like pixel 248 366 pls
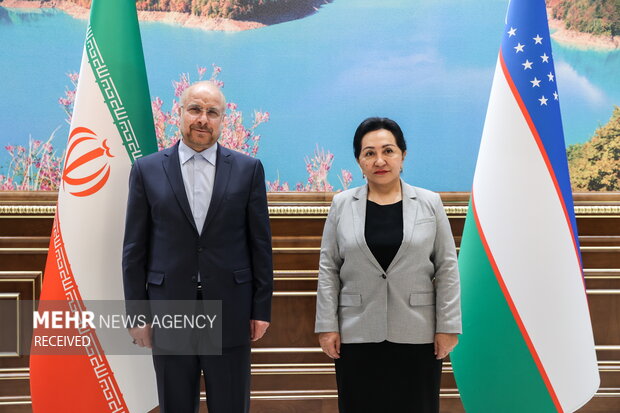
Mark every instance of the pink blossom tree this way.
pixel 234 134
pixel 66 102
pixel 35 168
pixel 345 179
pixel 317 167
pixel 39 166
pixel 277 186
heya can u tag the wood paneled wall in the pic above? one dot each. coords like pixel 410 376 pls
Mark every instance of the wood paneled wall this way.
pixel 289 372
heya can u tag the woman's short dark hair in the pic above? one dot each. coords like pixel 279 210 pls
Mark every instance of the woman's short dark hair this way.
pixel 373 124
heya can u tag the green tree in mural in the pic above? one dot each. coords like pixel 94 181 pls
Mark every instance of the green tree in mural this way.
pixel 232 9
pixel 595 165
pixel 601 17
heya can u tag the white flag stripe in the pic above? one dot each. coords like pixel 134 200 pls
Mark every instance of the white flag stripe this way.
pixel 86 221
pixel 95 224
pixel 540 269
pixel 136 380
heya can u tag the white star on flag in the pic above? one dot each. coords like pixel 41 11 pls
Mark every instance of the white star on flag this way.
pixel 533 299
pixel 550 76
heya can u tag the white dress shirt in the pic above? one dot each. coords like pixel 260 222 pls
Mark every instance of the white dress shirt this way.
pixel 198 170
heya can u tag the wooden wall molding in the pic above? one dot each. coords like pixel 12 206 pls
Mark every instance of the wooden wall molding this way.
pixel 290 372
pixel 299 212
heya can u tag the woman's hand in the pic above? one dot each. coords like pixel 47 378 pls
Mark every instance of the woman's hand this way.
pixel 444 344
pixel 330 343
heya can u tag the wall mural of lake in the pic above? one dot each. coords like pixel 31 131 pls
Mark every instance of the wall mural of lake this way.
pixel 309 81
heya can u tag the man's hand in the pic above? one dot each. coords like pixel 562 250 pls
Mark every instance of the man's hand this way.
pixel 330 343
pixel 142 335
pixel 444 344
pixel 257 329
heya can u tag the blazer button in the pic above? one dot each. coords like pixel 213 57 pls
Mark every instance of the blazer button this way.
pixel 194 278
pixel 200 249
pixel 383 276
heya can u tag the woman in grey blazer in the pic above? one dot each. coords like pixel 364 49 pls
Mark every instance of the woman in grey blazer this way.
pixel 388 299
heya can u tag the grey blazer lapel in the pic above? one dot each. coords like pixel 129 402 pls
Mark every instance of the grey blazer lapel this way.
pixel 172 168
pixel 358 206
pixel 410 211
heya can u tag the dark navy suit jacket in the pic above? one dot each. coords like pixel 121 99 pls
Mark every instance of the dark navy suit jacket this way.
pixel 163 251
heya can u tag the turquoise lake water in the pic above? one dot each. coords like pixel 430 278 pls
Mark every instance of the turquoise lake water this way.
pixel 428 65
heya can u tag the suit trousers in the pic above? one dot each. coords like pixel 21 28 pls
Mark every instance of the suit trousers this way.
pixel 227 380
pixel 388 377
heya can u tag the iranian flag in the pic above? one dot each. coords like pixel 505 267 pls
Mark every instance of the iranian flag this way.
pixel 112 125
pixel 527 343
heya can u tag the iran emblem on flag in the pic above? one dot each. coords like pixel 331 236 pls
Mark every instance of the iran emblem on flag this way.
pixel 111 126
pixel 84 150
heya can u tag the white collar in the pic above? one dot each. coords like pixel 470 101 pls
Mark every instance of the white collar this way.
pixel 186 153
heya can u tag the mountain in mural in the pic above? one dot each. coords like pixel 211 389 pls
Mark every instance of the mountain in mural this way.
pixel 265 12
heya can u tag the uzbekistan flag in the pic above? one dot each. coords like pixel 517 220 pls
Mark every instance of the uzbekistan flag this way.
pixel 527 343
pixel 112 125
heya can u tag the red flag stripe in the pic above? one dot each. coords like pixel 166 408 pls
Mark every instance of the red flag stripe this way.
pixel 513 308
pixel 104 394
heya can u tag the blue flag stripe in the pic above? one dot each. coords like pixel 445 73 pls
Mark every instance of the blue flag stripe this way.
pixel 526 50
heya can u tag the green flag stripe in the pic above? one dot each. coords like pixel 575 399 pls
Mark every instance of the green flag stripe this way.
pixel 111 97
pixel 493 366
pixel 116 58
pixel 513 308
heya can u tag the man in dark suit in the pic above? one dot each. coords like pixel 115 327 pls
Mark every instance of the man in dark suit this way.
pixel 197 227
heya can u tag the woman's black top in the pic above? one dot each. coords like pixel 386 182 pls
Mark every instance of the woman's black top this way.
pixel 384 231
